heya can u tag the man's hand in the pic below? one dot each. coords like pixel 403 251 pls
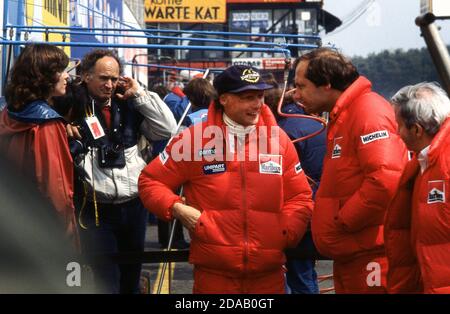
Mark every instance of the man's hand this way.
pixel 73 131
pixel 186 214
pixel 129 85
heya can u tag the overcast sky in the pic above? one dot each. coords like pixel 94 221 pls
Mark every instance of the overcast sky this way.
pixel 387 24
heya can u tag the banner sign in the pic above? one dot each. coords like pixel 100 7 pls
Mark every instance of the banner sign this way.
pixel 185 11
pixel 261 63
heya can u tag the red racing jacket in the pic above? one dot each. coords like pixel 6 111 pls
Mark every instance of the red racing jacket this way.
pixel 251 210
pixel 35 141
pixel 361 171
pixel 417 232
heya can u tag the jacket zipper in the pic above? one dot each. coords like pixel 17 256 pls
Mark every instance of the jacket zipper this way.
pixel 244 205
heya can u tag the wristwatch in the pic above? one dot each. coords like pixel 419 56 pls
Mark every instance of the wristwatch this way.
pixel 139 92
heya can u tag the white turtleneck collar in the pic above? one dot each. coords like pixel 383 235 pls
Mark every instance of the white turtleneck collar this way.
pixel 236 128
pixel 423 158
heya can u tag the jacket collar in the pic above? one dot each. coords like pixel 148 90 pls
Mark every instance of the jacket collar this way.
pixel 439 142
pixel 36 112
pixel 358 87
pixel 410 172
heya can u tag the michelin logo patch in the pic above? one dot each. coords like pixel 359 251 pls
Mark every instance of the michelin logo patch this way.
pixel 163 156
pixel 298 168
pixel 270 164
pixel 436 192
pixel 375 136
pixel 214 168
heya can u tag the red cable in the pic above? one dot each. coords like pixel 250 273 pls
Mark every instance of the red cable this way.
pixel 298 115
pixel 303 116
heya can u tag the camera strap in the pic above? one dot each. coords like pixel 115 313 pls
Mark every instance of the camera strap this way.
pixel 94 197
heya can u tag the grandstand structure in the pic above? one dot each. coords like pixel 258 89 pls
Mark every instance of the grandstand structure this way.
pixel 215 33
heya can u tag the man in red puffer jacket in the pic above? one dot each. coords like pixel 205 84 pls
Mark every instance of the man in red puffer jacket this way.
pixel 361 169
pixel 417 234
pixel 247 198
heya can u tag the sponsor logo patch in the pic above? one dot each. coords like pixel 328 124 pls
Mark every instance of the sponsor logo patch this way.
pixel 436 192
pixel 214 168
pixel 270 164
pixel 163 156
pixel 250 76
pixel 298 168
pixel 337 148
pixel 375 136
pixel 207 152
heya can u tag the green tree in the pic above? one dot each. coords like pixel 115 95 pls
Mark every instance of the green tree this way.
pixel 390 70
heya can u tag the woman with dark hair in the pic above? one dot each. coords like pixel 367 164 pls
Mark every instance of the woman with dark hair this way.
pixel 33 135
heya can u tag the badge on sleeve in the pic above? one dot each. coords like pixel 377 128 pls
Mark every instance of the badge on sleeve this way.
pixel 163 156
pixel 298 168
pixel 95 127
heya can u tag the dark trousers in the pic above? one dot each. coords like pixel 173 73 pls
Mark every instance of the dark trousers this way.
pixel 301 276
pixel 122 229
